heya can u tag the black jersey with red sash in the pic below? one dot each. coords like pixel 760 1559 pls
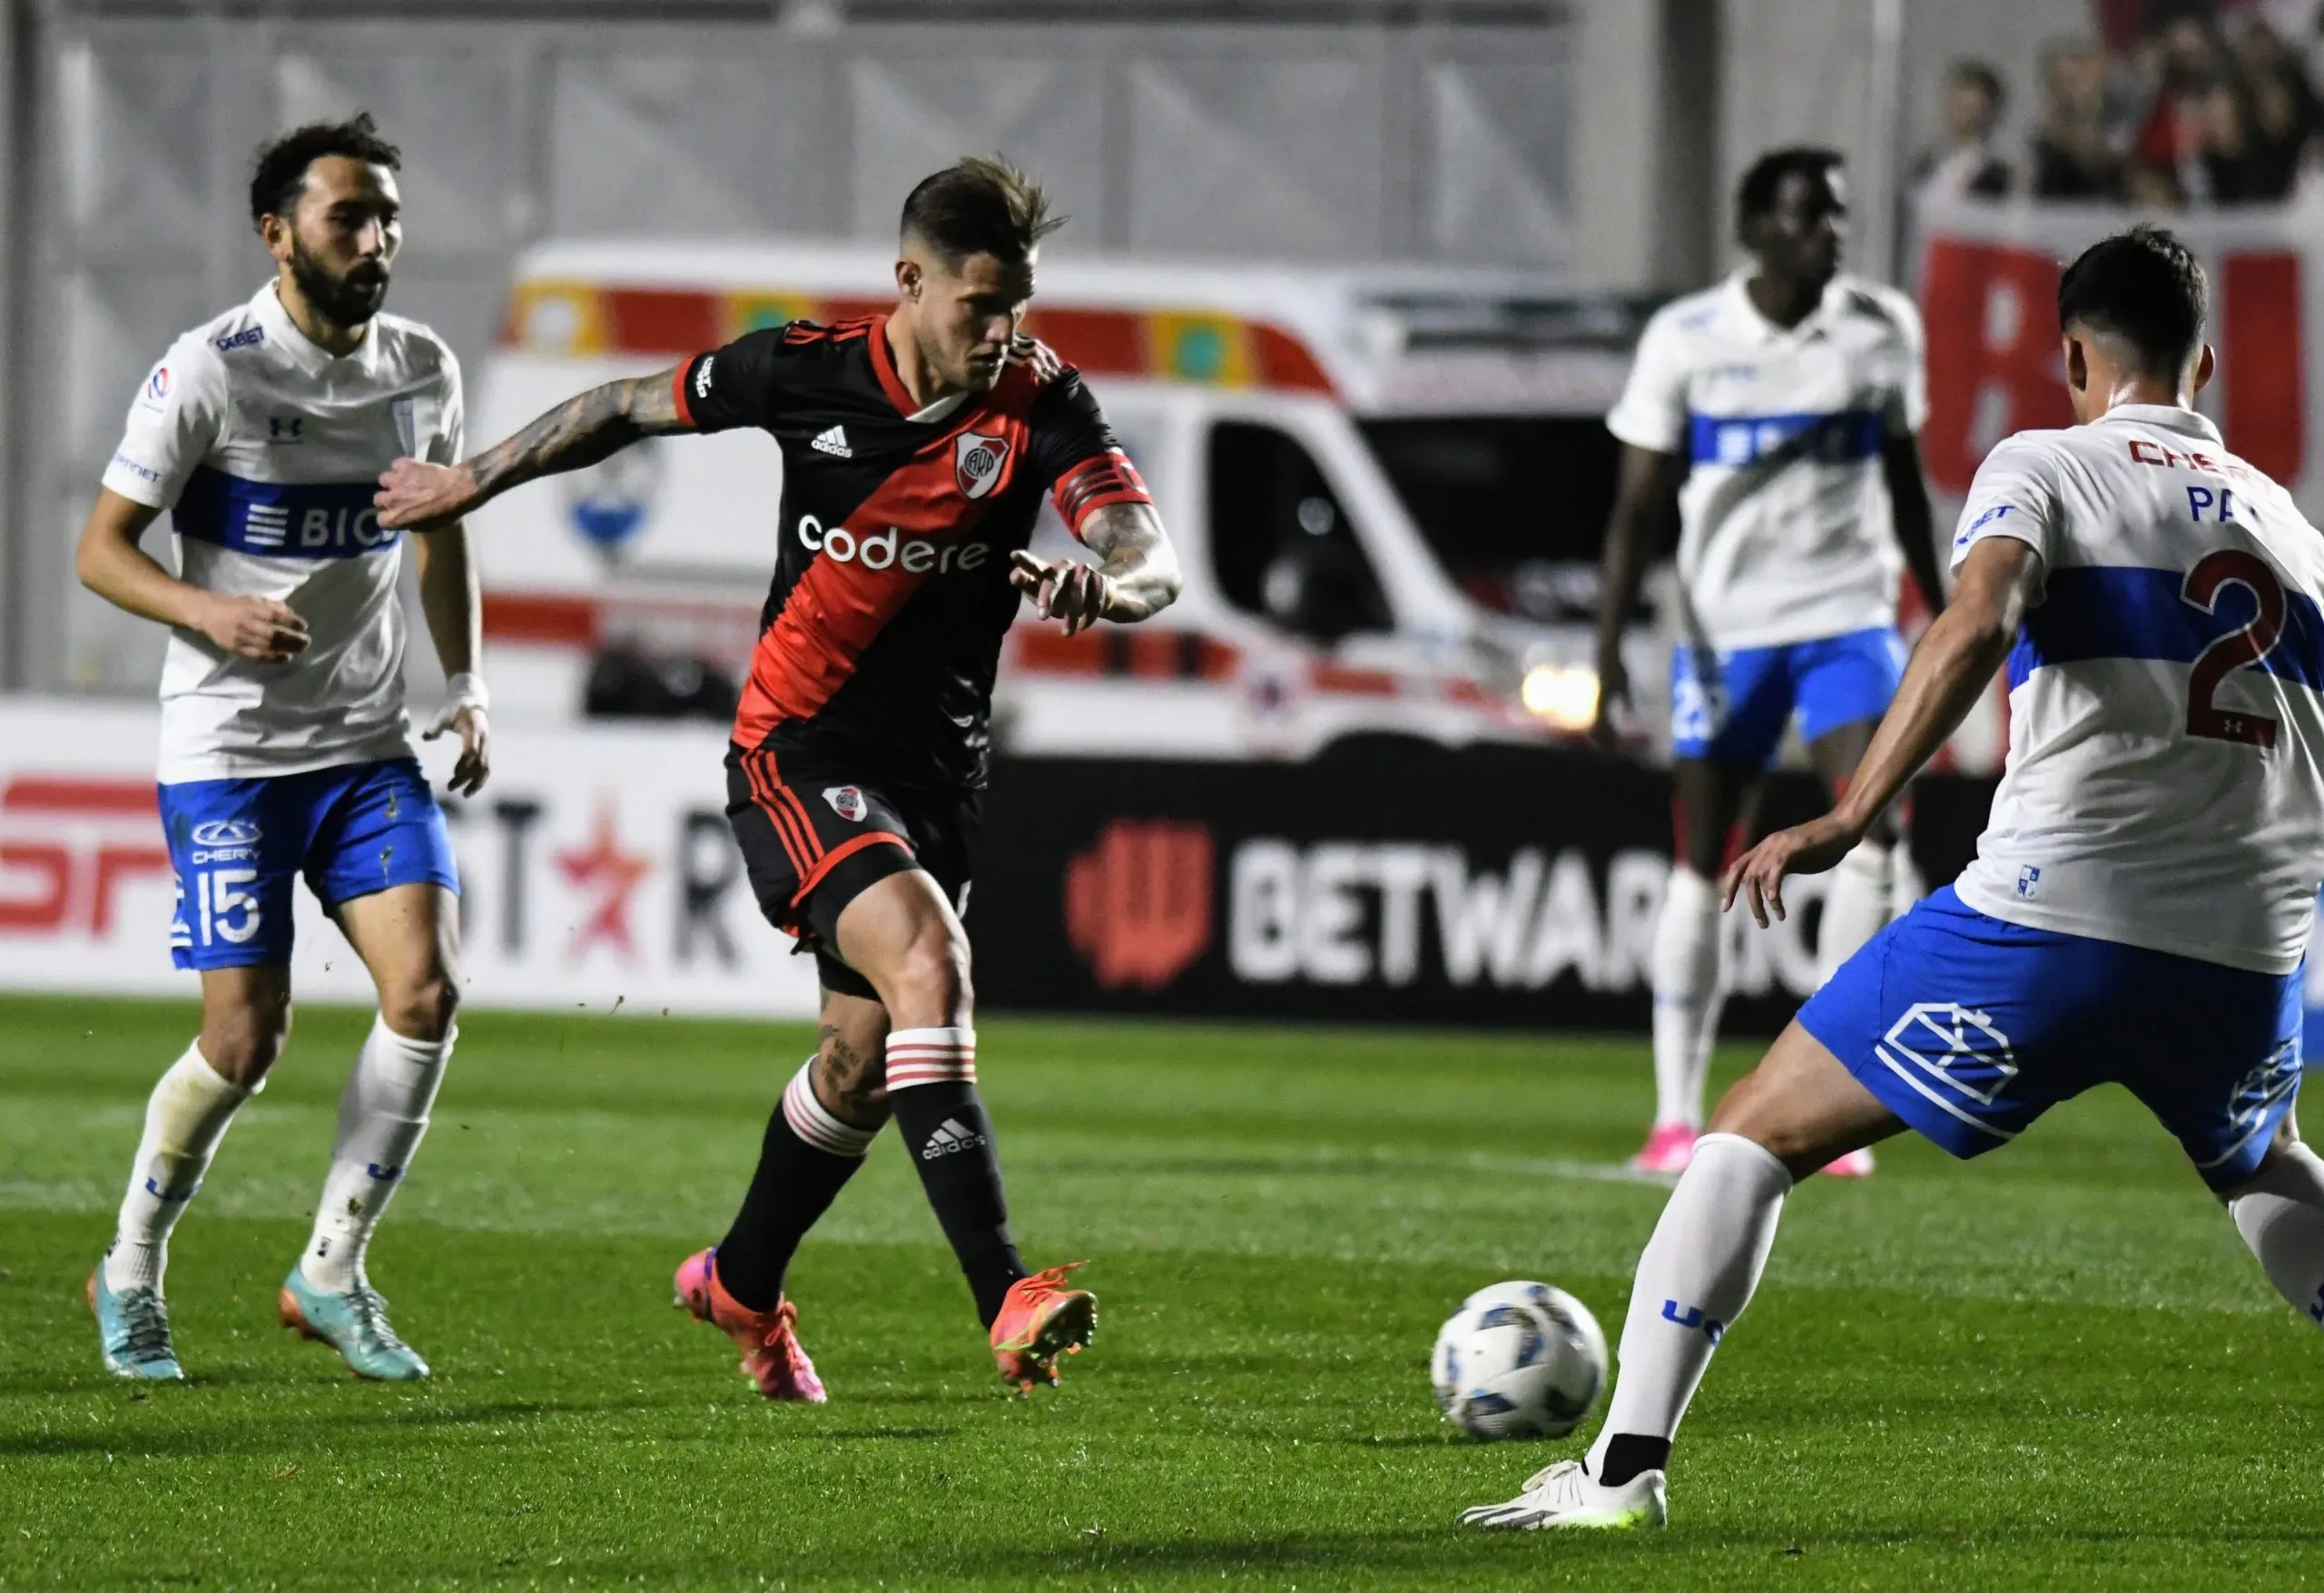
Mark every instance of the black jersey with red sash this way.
pixel 883 627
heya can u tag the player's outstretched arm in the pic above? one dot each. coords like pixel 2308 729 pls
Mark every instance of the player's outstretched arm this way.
pixel 1136 576
pixel 450 598
pixel 1950 669
pixel 112 564
pixel 1908 511
pixel 1645 498
pixel 419 497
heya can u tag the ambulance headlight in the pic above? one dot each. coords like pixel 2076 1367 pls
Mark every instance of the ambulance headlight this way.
pixel 1561 695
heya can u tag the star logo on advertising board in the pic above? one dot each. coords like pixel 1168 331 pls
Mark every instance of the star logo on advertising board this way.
pixel 610 875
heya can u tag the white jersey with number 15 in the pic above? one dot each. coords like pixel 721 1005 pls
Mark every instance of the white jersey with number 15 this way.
pixel 2164 787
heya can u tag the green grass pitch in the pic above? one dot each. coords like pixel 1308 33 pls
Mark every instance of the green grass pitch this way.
pixel 2058 1368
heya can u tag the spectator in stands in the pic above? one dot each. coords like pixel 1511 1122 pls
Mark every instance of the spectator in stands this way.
pixel 1967 166
pixel 2150 186
pixel 2071 158
pixel 2183 66
pixel 2280 111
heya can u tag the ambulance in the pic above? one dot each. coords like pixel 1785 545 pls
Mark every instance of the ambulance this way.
pixel 1387 486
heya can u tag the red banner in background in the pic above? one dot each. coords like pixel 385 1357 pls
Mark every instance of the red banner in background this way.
pixel 1988 291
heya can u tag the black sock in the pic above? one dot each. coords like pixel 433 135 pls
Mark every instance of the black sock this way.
pixel 949 1140
pixel 1629 1453
pixel 795 1184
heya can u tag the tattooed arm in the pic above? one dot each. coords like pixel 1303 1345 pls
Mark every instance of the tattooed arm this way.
pixel 419 497
pixel 1137 578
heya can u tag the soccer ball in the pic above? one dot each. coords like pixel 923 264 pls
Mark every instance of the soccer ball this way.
pixel 1519 1360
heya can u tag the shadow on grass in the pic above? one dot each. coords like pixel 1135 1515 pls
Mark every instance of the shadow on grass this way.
pixel 272 1434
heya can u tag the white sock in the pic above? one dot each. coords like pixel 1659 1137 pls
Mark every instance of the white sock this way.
pixel 1857 906
pixel 185 1117
pixel 1687 946
pixel 382 1113
pixel 2281 1215
pixel 1906 886
pixel 1693 1281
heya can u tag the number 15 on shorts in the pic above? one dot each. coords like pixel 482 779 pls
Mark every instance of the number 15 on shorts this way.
pixel 223 911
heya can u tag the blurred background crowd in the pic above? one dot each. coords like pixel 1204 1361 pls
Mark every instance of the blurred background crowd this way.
pixel 2169 104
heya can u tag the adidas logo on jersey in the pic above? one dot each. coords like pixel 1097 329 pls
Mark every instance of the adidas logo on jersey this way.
pixel 834 443
pixel 950 1137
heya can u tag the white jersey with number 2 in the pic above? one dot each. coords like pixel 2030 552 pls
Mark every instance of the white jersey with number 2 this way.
pixel 2164 787
pixel 266 450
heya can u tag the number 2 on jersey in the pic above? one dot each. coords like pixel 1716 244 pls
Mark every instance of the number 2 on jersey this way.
pixel 2250 644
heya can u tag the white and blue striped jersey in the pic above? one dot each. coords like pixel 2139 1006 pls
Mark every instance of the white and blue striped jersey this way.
pixel 2165 781
pixel 266 448
pixel 1784 521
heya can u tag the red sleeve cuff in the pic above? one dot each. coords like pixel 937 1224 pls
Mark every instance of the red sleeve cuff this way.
pixel 678 391
pixel 1106 478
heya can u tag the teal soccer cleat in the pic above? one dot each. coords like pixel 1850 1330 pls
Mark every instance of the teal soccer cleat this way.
pixel 133 1329
pixel 354 1324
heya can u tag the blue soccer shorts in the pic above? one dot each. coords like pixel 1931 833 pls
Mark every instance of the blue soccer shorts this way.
pixel 237 845
pixel 1732 707
pixel 1969 1028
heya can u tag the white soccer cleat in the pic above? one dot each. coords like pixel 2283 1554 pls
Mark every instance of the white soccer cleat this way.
pixel 1562 1496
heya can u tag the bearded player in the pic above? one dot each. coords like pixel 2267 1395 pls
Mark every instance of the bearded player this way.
pixel 2140 899
pixel 284 739
pixel 917 448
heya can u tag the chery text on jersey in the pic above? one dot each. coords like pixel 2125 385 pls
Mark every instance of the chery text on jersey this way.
pixel 2164 787
pixel 1785 532
pixel 882 630
pixel 267 449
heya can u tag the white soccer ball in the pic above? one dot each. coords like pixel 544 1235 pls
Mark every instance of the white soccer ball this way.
pixel 1519 1360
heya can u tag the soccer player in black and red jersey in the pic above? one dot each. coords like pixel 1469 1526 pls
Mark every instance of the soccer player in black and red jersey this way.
pixel 917 446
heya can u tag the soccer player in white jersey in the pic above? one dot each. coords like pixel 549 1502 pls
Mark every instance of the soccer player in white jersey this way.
pixel 1775 415
pixel 2141 896
pixel 285 744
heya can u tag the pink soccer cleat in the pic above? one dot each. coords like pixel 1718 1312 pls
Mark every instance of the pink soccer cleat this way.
pixel 1041 1318
pixel 1857 1164
pixel 1669 1146
pixel 773 1357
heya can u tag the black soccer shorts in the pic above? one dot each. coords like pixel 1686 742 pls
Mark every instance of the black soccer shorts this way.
pixel 816 834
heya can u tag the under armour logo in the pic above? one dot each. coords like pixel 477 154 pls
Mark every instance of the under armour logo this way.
pixel 286 427
pixel 1693 1317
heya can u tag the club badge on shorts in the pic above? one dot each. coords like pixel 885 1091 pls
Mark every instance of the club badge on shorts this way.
pixel 977 462
pixel 846 800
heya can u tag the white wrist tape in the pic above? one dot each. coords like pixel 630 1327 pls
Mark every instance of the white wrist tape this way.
pixel 468 691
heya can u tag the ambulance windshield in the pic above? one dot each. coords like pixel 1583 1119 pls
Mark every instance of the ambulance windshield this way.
pixel 1514 505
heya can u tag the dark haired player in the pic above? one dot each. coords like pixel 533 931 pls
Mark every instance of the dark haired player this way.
pixel 2142 897
pixel 284 739
pixel 1773 417
pixel 917 448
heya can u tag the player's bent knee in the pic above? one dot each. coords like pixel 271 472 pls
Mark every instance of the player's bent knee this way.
pixel 423 1010
pixel 930 981
pixel 241 1042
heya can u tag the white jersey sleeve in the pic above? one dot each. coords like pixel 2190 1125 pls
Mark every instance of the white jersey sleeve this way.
pixel 450 438
pixel 1652 410
pixel 2015 494
pixel 174 424
pixel 1907 410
